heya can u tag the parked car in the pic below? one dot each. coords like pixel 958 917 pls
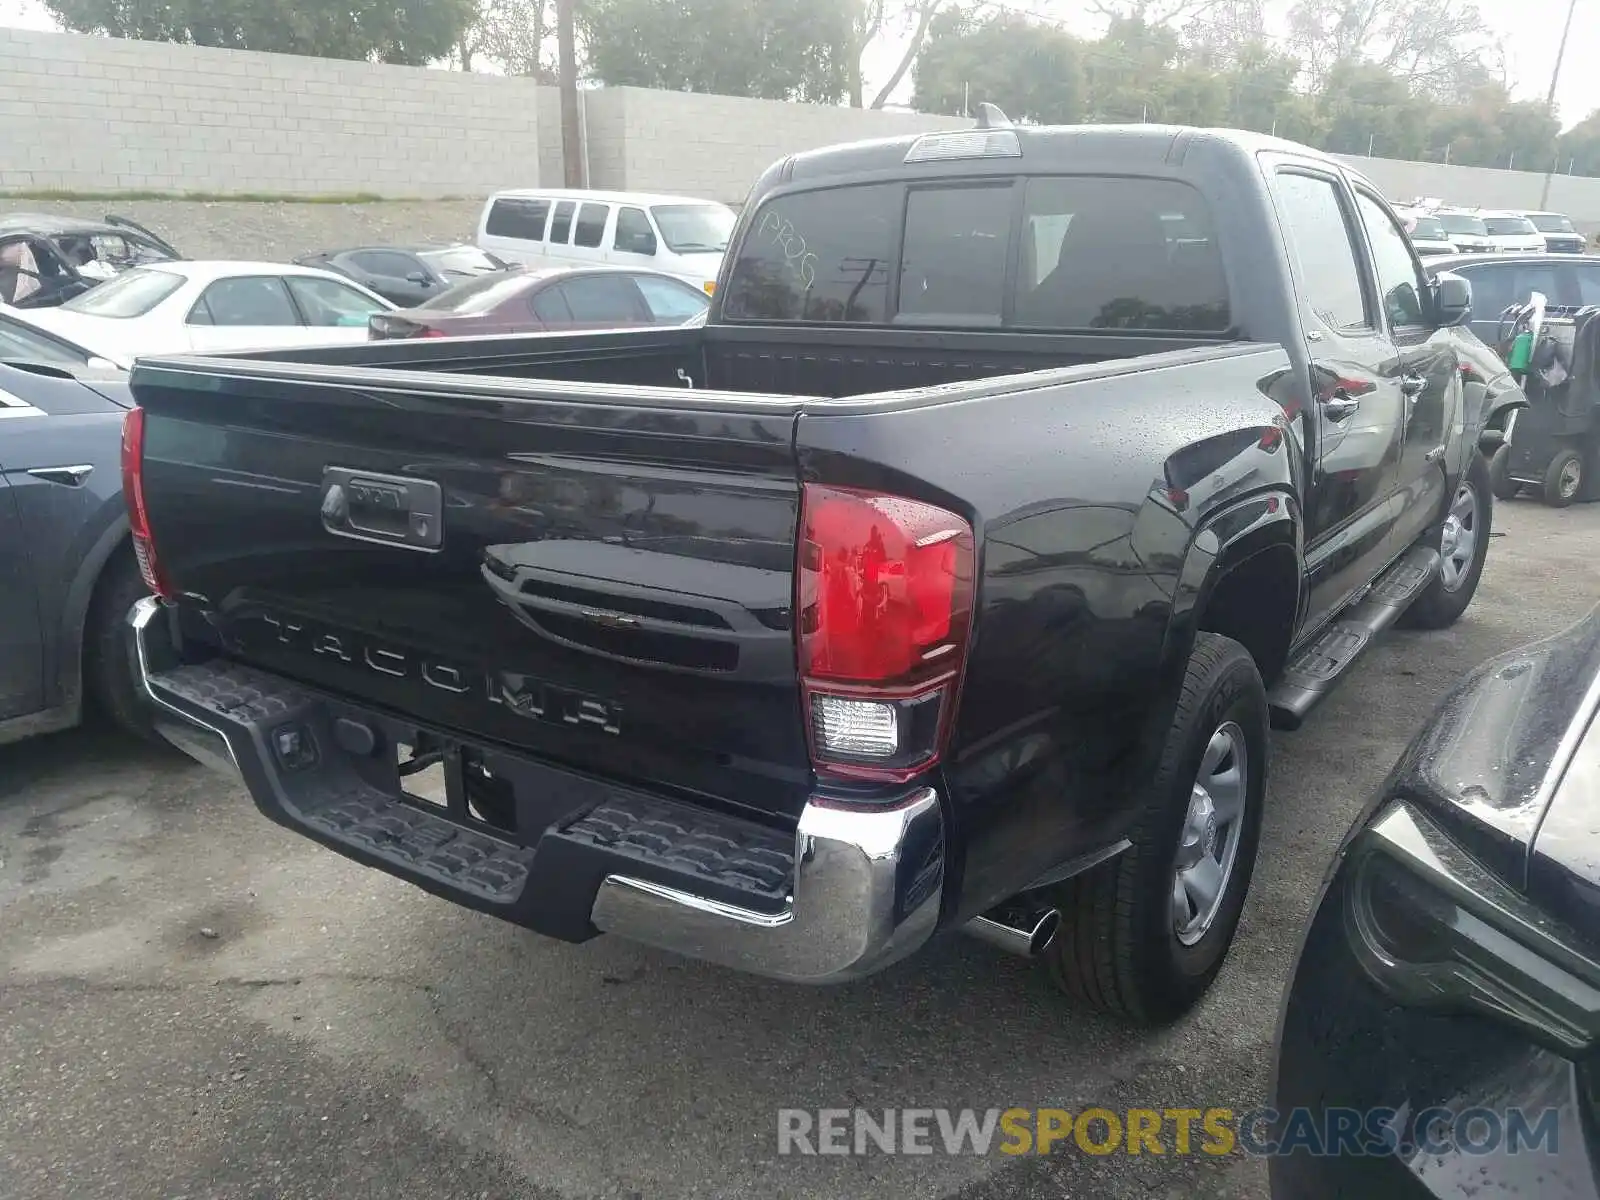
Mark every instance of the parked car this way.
pixel 556 298
pixel 407 275
pixel 1427 234
pixel 1512 233
pixel 208 307
pixel 46 260
pixel 676 235
pixel 1504 281
pixel 1467 230
pixel 24 343
pixel 1559 235
pixel 67 571
pixel 944 578
pixel 1445 1003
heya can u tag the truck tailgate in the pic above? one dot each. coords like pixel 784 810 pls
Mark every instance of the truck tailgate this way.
pixel 604 585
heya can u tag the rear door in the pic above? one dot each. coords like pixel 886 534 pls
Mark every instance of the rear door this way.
pixel 1359 423
pixel 21 644
pixel 600 301
pixel 400 277
pixel 246 312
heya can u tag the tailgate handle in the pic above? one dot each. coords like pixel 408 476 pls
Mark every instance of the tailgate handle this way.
pixel 391 510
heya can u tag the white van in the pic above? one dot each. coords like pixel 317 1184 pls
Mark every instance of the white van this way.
pixel 677 235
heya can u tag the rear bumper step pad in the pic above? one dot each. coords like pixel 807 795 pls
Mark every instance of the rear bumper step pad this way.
pixel 853 889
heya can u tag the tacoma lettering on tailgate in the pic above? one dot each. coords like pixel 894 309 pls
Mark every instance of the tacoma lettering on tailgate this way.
pixel 523 694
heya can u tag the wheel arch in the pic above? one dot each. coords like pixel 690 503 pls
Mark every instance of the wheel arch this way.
pixel 1243 577
pixel 80 603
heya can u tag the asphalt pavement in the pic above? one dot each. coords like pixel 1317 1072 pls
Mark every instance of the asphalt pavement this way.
pixel 196 1003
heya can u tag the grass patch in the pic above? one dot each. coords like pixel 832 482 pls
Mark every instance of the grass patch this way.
pixel 66 194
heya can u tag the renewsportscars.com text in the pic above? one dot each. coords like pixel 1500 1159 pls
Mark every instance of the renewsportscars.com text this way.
pixel 1166 1131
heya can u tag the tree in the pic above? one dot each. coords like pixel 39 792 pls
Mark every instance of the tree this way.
pixel 414 32
pixel 771 49
pixel 512 35
pixel 1125 69
pixel 1580 146
pixel 876 17
pixel 1426 43
pixel 1030 70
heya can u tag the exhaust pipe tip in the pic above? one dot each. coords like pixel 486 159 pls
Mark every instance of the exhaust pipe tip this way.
pixel 1026 935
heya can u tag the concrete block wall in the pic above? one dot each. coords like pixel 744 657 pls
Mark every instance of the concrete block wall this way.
pixel 98 114
pixel 717 146
pixel 101 114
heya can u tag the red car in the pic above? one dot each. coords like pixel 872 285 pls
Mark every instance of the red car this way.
pixel 555 298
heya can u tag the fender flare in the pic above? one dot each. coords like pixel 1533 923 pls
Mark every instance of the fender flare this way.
pixel 1226 540
pixel 75 614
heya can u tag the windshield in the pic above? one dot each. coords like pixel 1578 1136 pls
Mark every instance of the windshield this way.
pixel 1509 226
pixel 1552 223
pixel 694 228
pixel 462 260
pixel 481 295
pixel 1462 223
pixel 128 295
pixel 1428 229
pixel 19 343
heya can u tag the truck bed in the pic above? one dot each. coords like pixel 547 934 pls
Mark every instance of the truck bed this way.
pixel 833 362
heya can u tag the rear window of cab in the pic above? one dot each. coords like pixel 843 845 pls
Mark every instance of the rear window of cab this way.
pixel 1077 252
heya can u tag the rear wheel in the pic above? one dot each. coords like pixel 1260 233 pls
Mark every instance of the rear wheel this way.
pixel 1145 934
pixel 107 673
pixel 1563 480
pixel 1501 485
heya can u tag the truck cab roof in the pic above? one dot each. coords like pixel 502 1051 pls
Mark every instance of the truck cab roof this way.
pixel 1047 149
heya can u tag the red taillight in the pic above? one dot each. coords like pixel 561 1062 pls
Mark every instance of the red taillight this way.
pixel 432 333
pixel 885 603
pixel 144 548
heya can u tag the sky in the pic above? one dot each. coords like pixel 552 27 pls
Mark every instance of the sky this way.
pixel 1530 30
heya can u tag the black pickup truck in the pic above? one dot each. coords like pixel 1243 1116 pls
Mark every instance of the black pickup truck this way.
pixel 944 578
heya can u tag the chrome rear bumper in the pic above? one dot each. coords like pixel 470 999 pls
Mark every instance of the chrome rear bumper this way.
pixel 864 882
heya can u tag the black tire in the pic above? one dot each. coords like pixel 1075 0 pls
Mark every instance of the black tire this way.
pixel 1559 489
pixel 1441 606
pixel 107 673
pixel 1118 949
pixel 1501 485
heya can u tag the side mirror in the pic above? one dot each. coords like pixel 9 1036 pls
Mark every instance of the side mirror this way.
pixel 644 243
pixel 421 278
pixel 1452 299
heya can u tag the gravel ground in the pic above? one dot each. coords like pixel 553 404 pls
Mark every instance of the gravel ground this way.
pixel 274 232
pixel 196 1003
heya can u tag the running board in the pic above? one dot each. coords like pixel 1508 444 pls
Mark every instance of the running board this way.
pixel 1315 669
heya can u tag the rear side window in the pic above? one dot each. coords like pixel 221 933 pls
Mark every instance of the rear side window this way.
pixel 818 256
pixel 131 294
pixel 517 217
pixel 591 227
pixel 245 300
pixel 1119 253
pixel 600 298
pixel 388 263
pixel 561 223
pixel 953 260
pixel 1319 238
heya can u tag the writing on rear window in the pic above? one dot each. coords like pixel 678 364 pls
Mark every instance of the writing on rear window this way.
pixel 1079 252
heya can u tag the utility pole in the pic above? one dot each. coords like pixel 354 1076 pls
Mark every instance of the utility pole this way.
pixel 1550 101
pixel 567 66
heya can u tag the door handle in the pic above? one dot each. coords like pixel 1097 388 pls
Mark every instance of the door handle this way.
pixel 1412 385
pixel 67 476
pixel 1340 406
